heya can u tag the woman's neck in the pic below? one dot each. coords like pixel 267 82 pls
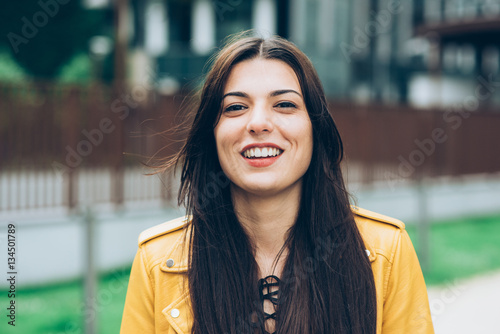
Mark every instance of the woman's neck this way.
pixel 267 221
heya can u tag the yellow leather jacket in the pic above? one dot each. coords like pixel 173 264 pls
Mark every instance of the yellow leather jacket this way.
pixel 158 299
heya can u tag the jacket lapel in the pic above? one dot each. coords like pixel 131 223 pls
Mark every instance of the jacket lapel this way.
pixel 179 315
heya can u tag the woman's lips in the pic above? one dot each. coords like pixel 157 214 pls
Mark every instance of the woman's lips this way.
pixel 261 162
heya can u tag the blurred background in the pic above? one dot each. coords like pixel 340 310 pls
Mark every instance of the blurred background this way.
pixel 91 90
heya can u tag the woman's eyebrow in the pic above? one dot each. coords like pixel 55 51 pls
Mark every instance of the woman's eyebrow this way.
pixel 272 94
pixel 284 91
pixel 239 94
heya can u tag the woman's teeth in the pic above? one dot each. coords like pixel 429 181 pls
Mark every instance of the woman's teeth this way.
pixel 262 152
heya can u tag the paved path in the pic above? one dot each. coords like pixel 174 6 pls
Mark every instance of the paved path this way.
pixel 467 307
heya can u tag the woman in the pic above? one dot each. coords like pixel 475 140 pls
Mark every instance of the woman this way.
pixel 270 243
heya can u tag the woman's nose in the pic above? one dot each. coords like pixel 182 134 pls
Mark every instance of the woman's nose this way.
pixel 260 120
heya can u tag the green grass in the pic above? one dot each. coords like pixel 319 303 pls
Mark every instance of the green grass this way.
pixel 459 248
pixel 59 309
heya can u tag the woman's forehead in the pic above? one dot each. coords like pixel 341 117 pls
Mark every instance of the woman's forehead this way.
pixel 258 76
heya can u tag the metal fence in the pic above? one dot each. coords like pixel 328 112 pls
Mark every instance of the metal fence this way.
pixel 61 146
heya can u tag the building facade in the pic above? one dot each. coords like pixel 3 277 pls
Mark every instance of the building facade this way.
pixel 426 53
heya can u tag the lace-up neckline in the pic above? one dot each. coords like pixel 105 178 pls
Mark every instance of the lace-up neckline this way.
pixel 269 291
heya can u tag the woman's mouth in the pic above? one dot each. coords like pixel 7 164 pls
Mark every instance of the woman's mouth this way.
pixel 261 152
pixel 262 156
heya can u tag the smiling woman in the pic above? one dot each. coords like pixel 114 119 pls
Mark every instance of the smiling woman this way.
pixel 263 113
pixel 276 248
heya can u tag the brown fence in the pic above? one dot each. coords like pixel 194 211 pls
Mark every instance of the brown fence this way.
pixel 43 124
pixel 402 142
pixel 52 137
pixel 62 130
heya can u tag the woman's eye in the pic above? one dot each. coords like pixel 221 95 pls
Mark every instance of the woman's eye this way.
pixel 235 107
pixel 286 105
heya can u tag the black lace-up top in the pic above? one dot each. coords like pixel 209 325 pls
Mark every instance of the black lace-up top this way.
pixel 269 290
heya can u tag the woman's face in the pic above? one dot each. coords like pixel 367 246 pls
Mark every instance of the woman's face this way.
pixel 264 135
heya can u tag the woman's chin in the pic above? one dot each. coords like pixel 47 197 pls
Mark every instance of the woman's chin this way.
pixel 264 189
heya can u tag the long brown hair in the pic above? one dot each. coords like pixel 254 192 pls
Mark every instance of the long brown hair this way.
pixel 327 284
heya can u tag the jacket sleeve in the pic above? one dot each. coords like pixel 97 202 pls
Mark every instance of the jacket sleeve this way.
pixel 138 315
pixel 406 306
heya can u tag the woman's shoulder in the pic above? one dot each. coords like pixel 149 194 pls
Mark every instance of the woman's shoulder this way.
pixel 163 245
pixel 380 233
pixel 366 216
pixel 168 229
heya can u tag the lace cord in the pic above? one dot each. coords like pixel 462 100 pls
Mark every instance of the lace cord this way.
pixel 267 292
